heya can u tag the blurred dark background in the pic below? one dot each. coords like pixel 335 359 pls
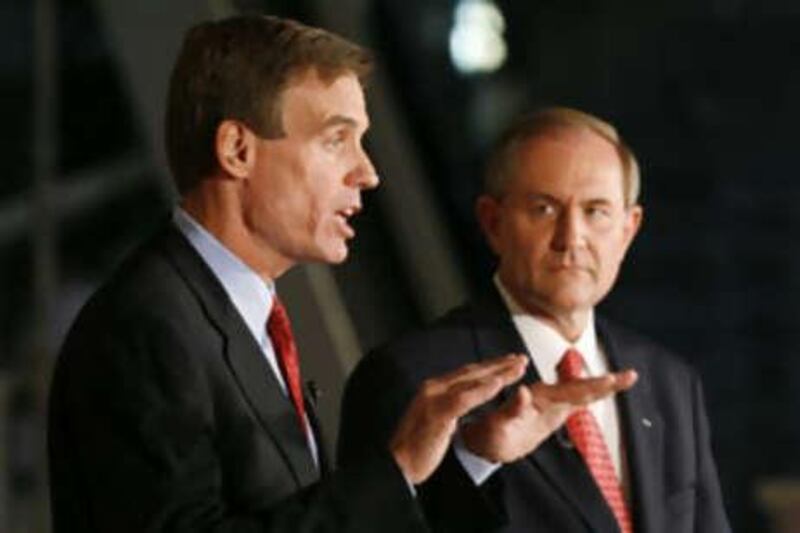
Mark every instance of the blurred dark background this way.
pixel 705 91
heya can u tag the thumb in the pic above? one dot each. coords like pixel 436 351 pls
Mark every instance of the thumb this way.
pixel 518 403
pixel 556 414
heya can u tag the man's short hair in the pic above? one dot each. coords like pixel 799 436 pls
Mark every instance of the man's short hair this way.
pixel 237 68
pixel 503 159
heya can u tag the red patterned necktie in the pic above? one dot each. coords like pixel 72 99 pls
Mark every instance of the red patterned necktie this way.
pixel 585 433
pixel 280 333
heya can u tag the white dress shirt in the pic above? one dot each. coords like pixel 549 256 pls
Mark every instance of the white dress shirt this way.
pixel 249 293
pixel 546 347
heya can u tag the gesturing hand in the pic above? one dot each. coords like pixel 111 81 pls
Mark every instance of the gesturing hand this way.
pixel 534 413
pixel 424 433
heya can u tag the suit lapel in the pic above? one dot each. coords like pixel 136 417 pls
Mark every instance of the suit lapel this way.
pixel 274 410
pixel 244 357
pixel 642 431
pixel 311 397
pixel 558 461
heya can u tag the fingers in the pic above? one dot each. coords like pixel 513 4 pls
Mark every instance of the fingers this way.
pixel 458 392
pixel 582 392
pixel 510 366
pixel 515 429
pixel 626 379
pixel 531 415
pixel 467 393
pixel 555 415
pixel 423 434
pixel 518 403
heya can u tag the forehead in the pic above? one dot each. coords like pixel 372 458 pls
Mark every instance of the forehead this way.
pixel 309 101
pixel 566 163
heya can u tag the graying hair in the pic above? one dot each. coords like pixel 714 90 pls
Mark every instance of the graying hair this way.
pixel 503 157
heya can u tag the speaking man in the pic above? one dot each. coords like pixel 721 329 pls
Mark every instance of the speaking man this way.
pixel 177 404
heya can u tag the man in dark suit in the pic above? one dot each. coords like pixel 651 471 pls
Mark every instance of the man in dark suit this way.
pixel 176 403
pixel 559 210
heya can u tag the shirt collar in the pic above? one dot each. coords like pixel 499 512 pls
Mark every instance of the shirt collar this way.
pixel 250 294
pixel 546 346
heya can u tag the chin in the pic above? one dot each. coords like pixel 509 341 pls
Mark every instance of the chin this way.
pixel 335 255
pixel 338 260
pixel 572 301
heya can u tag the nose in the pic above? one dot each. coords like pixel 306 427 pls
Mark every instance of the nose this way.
pixel 569 230
pixel 363 176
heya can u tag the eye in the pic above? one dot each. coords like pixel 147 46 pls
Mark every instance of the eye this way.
pixel 543 209
pixel 336 140
pixel 597 212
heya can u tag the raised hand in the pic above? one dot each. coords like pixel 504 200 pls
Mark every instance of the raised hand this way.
pixel 424 433
pixel 533 413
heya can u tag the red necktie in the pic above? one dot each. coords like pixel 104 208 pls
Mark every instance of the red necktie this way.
pixel 280 333
pixel 585 434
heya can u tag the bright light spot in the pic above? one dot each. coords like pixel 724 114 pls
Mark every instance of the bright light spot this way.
pixel 476 39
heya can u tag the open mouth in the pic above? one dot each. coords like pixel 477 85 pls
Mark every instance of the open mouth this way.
pixel 343 216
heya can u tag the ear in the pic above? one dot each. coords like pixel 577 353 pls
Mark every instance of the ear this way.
pixel 487 210
pixel 633 221
pixel 235 147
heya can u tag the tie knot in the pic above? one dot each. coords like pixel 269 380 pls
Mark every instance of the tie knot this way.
pixel 571 365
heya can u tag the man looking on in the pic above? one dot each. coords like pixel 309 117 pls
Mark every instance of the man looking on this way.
pixel 176 403
pixel 559 210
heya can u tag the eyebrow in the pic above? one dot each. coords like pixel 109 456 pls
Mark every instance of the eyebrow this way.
pixel 337 120
pixel 536 196
pixel 540 196
pixel 604 201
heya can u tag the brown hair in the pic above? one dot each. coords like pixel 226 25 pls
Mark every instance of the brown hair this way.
pixel 503 157
pixel 237 68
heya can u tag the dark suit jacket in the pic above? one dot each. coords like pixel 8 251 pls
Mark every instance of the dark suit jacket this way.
pixel 165 416
pixel 673 478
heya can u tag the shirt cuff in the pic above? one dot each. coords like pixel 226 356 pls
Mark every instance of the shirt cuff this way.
pixel 478 468
pixel 411 488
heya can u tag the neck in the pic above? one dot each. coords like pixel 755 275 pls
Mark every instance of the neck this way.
pixel 569 324
pixel 215 205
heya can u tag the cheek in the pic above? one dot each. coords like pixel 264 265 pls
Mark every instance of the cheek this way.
pixel 310 198
pixel 526 254
pixel 531 243
pixel 520 235
pixel 321 178
pixel 610 258
pixel 321 213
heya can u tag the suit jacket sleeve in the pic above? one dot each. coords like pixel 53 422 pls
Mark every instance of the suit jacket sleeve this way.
pixel 135 445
